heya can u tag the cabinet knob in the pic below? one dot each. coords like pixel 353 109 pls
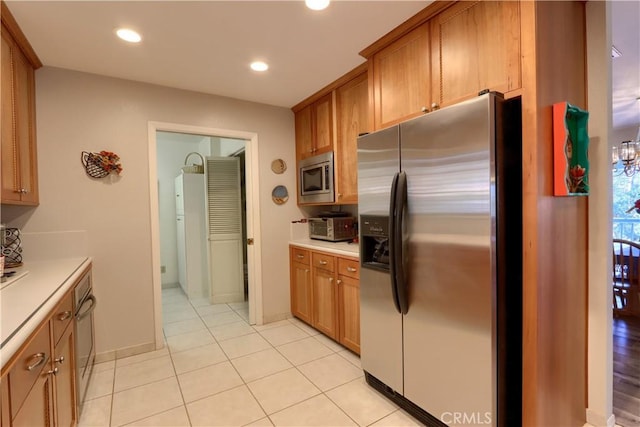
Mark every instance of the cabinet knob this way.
pixel 435 106
pixel 322 262
pixel 330 279
pixel 54 371
pixel 64 315
pixel 339 195
pixel 424 109
pixel 300 256
pixel 351 270
pixel 21 191
pixel 59 360
pixel 339 282
pixel 38 358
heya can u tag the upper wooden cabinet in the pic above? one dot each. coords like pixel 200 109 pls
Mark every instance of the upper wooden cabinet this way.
pixel 331 120
pixel 352 119
pixel 400 78
pixel 19 163
pixel 442 56
pixel 475 46
pixel 314 128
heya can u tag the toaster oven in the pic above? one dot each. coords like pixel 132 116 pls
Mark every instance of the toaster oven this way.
pixel 332 229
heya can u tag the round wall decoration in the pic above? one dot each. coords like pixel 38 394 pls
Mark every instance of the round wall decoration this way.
pixel 280 195
pixel 278 166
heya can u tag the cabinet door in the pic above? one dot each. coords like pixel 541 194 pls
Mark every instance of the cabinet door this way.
pixel 301 301
pixel 65 389
pixel 352 117
pixel 304 133
pixel 37 408
pixel 401 81
pixel 349 312
pixel 19 163
pixel 10 181
pixel 5 410
pixel 324 302
pixel 476 46
pixel 323 128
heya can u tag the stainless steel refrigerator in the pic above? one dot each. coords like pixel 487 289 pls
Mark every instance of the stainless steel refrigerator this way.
pixel 441 253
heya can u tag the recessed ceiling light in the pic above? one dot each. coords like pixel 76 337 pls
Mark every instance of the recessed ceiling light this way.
pixel 128 35
pixel 259 66
pixel 317 4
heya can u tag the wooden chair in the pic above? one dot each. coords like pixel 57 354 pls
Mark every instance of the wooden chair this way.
pixel 626 277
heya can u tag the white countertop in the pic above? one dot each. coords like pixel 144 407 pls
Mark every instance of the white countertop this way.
pixel 26 302
pixel 338 248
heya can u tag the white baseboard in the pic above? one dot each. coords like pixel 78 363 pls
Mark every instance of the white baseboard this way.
pixel 595 419
pixel 125 352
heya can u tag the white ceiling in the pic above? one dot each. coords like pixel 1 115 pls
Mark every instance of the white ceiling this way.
pixel 206 46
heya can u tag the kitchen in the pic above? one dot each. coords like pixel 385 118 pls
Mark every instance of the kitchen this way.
pixel 117 216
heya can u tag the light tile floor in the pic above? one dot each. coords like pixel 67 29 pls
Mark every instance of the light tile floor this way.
pixel 217 370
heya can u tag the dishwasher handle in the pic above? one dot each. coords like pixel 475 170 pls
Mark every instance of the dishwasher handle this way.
pixel 82 314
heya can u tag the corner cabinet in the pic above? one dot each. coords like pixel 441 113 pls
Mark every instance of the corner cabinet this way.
pixel 325 293
pixel 314 128
pixel 19 175
pixel 331 120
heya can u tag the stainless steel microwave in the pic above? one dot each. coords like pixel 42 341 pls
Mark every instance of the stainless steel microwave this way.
pixel 315 179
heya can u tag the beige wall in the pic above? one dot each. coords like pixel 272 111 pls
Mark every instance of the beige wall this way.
pixel 84 112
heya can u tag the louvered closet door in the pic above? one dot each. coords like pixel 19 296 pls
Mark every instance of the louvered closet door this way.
pixel 225 229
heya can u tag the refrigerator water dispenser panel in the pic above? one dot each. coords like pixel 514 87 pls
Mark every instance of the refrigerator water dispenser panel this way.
pixel 375 242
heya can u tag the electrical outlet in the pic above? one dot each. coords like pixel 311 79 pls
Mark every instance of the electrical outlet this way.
pixel 163 269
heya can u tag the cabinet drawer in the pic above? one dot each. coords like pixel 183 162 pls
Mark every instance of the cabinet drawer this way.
pixel 300 255
pixel 349 267
pixel 323 261
pixel 62 317
pixel 31 362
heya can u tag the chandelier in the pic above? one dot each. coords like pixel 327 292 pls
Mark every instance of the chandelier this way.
pixel 628 153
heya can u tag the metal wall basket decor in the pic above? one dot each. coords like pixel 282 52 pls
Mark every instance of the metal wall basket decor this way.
pixel 12 248
pixel 570 150
pixel 100 165
pixel 194 167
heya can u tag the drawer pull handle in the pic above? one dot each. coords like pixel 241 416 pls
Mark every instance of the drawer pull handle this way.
pixel 300 256
pixel 351 269
pixel 339 282
pixel 330 279
pixel 64 315
pixel 322 262
pixel 59 360
pixel 41 357
pixel 54 371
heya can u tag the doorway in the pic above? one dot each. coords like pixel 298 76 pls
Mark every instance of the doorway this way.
pixel 201 138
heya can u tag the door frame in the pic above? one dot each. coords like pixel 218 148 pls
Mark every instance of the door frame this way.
pixel 252 173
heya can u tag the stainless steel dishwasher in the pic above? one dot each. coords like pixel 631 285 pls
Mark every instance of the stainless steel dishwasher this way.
pixel 85 303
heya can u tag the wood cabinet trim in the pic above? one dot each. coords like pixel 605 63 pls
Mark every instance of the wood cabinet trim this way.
pixel 362 68
pixel 12 27
pixel 407 26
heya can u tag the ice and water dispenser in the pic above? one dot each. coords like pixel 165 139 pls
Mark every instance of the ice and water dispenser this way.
pixel 374 232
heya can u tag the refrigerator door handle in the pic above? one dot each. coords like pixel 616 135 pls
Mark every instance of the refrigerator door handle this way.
pixel 392 241
pixel 400 237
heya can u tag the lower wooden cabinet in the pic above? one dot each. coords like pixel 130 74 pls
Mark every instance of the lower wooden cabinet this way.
pixel 300 273
pixel 325 293
pixel 38 384
pixel 31 382
pixel 64 378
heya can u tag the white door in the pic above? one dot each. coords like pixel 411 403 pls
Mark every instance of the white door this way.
pixel 182 253
pixel 225 229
